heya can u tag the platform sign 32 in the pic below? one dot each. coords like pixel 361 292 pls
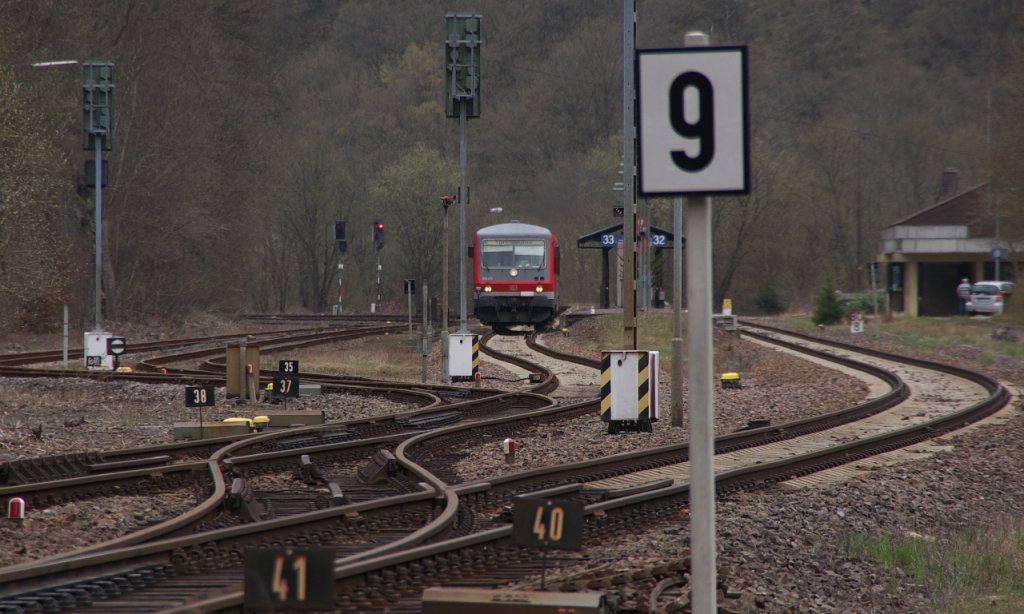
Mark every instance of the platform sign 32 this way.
pixel 693 125
pixel 546 523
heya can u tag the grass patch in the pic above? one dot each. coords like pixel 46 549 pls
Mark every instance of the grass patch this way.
pixel 971 571
pixel 933 334
pixel 386 357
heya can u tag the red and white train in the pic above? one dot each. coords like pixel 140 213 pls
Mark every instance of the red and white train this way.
pixel 515 275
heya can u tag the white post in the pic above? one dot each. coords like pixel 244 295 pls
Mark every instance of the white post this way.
pixel 65 336
pixel 702 402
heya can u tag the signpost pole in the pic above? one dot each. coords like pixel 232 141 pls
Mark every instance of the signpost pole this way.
pixel 677 313
pixel 693 142
pixel 629 331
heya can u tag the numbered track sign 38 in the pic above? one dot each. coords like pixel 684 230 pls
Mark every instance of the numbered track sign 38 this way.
pixel 693 127
pixel 544 523
pixel 200 396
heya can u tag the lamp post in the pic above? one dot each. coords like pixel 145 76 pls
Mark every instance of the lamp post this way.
pixel 446 202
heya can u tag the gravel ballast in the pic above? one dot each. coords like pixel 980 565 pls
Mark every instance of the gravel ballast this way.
pixel 782 549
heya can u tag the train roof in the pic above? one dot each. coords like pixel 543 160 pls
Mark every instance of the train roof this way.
pixel 514 229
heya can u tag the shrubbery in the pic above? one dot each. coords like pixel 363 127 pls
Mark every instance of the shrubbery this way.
pixel 829 310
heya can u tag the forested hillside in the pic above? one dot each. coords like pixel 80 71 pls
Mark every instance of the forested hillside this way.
pixel 244 128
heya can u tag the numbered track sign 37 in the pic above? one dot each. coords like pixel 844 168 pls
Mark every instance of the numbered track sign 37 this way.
pixel 286 386
pixel 692 121
pixel 544 523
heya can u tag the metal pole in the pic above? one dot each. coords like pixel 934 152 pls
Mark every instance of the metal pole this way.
pixel 444 300
pixel 702 400
pixel 380 307
pixel 409 293
pixel 341 268
pixel 702 467
pixel 874 298
pixel 424 343
pixel 462 219
pixel 677 312
pixel 65 336
pixel 98 140
pixel 629 204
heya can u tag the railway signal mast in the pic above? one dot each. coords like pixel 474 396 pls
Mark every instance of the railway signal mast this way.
pixel 342 244
pixel 378 244
pixel 462 100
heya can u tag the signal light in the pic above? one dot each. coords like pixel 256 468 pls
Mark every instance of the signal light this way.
pixel 378 234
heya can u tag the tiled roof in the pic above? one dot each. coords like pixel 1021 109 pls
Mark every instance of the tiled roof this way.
pixel 967 208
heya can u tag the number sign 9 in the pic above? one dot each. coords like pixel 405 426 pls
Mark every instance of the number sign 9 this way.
pixel 693 121
pixel 702 128
pixel 200 396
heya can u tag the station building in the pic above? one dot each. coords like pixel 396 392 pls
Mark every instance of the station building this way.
pixel 925 255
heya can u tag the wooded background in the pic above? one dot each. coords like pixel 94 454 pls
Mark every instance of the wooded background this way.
pixel 244 128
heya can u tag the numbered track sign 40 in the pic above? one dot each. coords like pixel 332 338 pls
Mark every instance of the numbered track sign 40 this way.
pixel 693 127
pixel 544 523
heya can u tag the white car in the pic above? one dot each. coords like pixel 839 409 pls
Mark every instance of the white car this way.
pixel 989 297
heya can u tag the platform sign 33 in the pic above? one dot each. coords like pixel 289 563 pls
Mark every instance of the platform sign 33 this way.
pixel 545 523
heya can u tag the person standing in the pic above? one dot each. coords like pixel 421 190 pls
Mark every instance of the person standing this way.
pixel 963 292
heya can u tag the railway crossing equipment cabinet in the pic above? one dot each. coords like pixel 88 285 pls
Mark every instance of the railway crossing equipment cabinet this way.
pixel 629 389
pixel 463 356
pixel 98 356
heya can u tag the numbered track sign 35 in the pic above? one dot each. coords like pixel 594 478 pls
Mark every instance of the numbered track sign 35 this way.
pixel 200 396
pixel 288 367
pixel 692 127
pixel 544 523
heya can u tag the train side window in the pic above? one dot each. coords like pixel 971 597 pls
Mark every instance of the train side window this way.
pixel 558 260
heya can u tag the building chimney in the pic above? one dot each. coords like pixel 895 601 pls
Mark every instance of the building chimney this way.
pixel 950 183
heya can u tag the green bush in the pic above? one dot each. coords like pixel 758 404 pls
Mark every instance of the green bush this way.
pixel 768 300
pixel 829 309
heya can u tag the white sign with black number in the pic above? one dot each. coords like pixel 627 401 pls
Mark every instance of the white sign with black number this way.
pixel 693 121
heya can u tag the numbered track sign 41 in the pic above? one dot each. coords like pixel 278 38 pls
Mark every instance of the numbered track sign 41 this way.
pixel 692 121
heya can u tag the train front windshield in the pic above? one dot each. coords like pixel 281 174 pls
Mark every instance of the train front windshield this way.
pixel 512 254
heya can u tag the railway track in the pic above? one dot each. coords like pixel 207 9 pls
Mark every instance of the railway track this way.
pixel 463 538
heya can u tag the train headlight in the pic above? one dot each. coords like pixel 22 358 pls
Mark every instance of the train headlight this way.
pixel 513 272
pixel 487 289
pixel 539 288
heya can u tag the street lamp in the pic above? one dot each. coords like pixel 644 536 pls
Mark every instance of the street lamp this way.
pixel 446 201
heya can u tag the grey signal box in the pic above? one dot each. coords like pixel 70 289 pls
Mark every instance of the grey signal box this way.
pixel 97 104
pixel 462 64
